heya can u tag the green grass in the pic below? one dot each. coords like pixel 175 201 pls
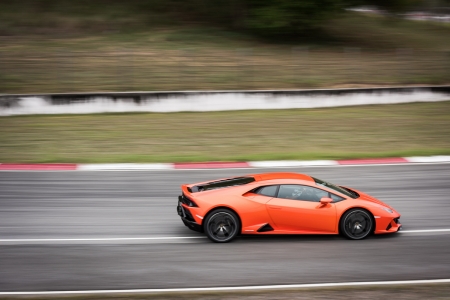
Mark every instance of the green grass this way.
pixel 330 133
pixel 86 56
pixel 84 48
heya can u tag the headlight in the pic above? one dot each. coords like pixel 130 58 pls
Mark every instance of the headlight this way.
pixel 388 210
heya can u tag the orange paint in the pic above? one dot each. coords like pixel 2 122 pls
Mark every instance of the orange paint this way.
pixel 286 216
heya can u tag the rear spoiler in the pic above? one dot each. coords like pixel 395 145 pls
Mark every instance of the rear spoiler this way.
pixel 220 184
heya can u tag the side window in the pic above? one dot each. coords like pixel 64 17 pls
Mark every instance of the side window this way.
pixel 269 191
pixel 336 198
pixel 301 192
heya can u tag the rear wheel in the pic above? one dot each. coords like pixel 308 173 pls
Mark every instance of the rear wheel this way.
pixel 356 224
pixel 222 225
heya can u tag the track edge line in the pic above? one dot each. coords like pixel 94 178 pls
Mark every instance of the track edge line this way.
pixel 234 288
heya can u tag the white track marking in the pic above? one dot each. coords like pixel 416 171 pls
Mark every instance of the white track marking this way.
pixel 424 231
pixel 119 239
pixel 236 288
pixel 156 238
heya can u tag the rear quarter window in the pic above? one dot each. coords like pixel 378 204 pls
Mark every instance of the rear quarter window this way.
pixel 269 191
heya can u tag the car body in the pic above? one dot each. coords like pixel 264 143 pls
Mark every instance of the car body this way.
pixel 282 203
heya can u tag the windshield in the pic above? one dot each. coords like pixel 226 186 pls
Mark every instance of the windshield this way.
pixel 339 189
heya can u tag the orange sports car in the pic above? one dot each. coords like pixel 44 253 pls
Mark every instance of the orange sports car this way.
pixel 282 203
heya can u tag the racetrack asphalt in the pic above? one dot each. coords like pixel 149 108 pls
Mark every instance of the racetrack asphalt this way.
pixel 66 213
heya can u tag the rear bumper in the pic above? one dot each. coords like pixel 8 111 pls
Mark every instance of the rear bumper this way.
pixel 192 225
pixel 187 218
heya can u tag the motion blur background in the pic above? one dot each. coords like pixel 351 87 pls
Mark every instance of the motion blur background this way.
pixel 49 46
pixel 65 46
pixel 78 230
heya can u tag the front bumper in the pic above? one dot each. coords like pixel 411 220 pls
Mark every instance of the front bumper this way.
pixel 187 218
pixel 388 225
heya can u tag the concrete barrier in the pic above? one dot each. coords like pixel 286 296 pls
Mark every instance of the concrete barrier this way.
pixel 174 101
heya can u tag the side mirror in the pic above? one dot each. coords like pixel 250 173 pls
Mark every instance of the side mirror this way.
pixel 325 200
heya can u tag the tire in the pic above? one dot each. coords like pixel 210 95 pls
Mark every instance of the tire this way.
pixel 222 225
pixel 356 224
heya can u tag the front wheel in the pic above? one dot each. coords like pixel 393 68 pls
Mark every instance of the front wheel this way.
pixel 356 224
pixel 222 225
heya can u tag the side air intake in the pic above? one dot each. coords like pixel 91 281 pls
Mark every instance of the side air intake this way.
pixel 265 228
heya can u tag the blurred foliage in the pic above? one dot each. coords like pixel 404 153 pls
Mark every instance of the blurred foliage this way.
pixel 287 17
pixel 114 45
pixel 397 6
pixel 119 47
pixel 269 18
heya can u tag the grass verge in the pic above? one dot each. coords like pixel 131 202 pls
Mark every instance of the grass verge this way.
pixel 305 134
pixel 377 52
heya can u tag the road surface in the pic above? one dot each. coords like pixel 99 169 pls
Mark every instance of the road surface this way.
pixel 120 230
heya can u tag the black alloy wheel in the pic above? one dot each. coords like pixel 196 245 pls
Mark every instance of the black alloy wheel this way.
pixel 222 225
pixel 356 224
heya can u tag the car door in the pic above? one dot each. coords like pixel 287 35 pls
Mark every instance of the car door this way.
pixel 298 208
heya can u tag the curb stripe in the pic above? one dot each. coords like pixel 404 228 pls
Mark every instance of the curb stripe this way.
pixel 428 159
pixel 211 165
pixel 225 165
pixel 124 166
pixel 291 163
pixel 390 160
pixel 39 167
pixel 236 288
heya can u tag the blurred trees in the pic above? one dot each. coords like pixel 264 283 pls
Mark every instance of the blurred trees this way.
pixel 263 17
pixel 288 17
pixel 270 18
pixel 397 6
